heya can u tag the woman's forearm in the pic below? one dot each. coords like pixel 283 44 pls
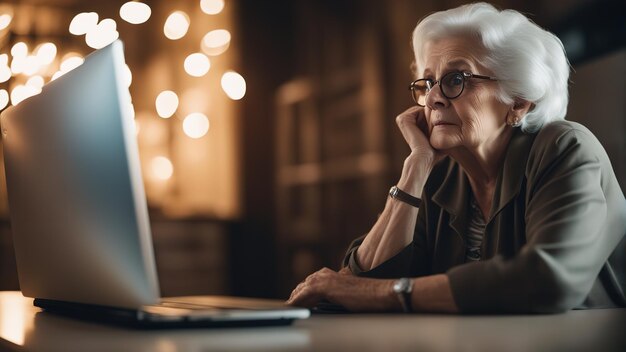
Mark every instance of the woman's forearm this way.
pixel 433 294
pixel 398 233
pixel 395 226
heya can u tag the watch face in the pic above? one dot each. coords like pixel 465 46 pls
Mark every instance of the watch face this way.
pixel 397 287
pixel 401 285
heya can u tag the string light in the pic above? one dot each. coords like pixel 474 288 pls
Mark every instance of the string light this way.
pixel 31 65
pixel 5 20
pixel 22 92
pixel 176 25
pixel 215 42
pixel 99 34
pixel 83 23
pixel 162 168
pixel 17 65
pixel 56 75
pixel 197 64
pixel 166 103
pixel 45 53
pixel 71 63
pixel 4 98
pixel 103 34
pixel 35 82
pixel 19 49
pixel 135 12
pixel 211 7
pixel 196 125
pixel 5 74
pixel 128 75
pixel 5 70
pixel 234 85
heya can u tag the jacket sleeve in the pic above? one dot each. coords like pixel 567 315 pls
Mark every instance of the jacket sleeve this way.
pixel 570 233
pixel 409 262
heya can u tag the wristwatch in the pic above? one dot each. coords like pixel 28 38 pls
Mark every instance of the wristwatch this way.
pixel 397 193
pixel 403 288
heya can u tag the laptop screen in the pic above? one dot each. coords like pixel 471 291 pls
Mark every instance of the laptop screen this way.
pixel 77 204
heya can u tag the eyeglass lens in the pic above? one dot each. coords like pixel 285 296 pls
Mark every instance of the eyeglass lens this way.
pixel 451 85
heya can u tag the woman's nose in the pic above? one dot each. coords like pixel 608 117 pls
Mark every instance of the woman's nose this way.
pixel 435 98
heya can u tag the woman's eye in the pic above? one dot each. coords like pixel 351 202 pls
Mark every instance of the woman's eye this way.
pixel 456 80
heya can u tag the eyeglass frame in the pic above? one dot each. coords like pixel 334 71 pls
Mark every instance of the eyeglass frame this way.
pixel 466 76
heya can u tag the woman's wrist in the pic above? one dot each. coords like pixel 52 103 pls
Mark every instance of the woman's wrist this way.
pixel 415 173
pixel 390 297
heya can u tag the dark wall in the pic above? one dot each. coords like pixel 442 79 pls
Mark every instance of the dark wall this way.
pixel 267 60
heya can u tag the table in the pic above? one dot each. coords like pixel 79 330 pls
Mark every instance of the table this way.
pixel 24 327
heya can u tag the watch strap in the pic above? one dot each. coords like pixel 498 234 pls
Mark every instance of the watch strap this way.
pixel 397 193
pixel 403 288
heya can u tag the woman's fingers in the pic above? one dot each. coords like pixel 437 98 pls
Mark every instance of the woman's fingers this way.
pixel 414 128
pixel 345 271
pixel 352 292
pixel 312 289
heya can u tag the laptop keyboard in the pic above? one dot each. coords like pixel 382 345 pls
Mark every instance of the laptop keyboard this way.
pixel 220 302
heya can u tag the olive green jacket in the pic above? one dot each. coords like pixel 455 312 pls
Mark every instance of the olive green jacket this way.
pixel 554 239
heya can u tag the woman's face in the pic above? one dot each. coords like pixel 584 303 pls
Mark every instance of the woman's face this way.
pixel 473 119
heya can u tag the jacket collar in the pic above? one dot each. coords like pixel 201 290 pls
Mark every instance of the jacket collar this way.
pixel 453 194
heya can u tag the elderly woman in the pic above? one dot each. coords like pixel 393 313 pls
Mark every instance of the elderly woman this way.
pixel 520 210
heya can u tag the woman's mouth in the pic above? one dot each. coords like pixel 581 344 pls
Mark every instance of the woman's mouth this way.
pixel 442 123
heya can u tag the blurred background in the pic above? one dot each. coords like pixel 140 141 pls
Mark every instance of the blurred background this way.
pixel 266 128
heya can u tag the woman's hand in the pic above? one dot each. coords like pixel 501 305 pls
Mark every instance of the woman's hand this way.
pixel 414 129
pixel 355 293
pixel 417 166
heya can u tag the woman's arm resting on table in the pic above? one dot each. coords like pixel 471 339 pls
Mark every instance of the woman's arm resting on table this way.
pixel 358 294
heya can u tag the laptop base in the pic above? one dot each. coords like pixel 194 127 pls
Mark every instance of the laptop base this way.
pixel 143 320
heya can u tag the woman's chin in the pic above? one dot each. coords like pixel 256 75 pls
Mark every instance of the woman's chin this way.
pixel 441 143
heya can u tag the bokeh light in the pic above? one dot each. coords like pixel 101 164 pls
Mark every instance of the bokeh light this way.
pixel 103 34
pixel 5 70
pixel 4 98
pixel 22 92
pixel 35 82
pixel 31 65
pixel 197 64
pixel 166 103
pixel 162 168
pixel 19 49
pixel 196 125
pixel 212 7
pixel 128 76
pixel 83 23
pixel 215 42
pixel 234 85
pixel 176 25
pixel 135 12
pixel 5 20
pixel 71 63
pixel 45 53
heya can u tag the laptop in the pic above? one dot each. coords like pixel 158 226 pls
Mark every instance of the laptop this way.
pixel 78 209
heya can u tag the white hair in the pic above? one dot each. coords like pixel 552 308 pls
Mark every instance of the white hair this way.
pixel 528 61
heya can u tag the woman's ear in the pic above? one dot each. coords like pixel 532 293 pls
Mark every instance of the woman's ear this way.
pixel 518 110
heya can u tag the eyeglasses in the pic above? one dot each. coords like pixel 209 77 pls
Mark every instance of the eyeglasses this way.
pixel 451 85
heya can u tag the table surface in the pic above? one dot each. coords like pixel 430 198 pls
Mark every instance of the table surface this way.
pixel 24 327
